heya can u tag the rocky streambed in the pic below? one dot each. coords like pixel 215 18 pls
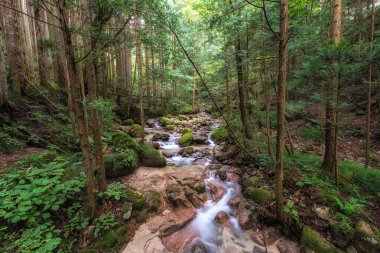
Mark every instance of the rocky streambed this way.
pixel 202 206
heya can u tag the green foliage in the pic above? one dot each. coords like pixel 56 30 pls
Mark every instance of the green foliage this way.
pixel 220 134
pixel 314 180
pixel 186 139
pixel 129 122
pixel 290 209
pixel 366 179
pixel 136 130
pixel 40 239
pixel 33 194
pixel 115 191
pixel 264 160
pixel 105 111
pixel 313 132
pixel 121 163
pixel 77 218
pixel 352 206
pixel 8 144
pixel 104 223
pixel 176 106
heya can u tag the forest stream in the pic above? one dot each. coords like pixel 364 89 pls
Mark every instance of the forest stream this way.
pixel 203 207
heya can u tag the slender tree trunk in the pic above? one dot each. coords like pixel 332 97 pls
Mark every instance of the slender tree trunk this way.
pixel 3 73
pixel 228 91
pixel 281 103
pixel 78 106
pixel 43 62
pixel 154 81
pixel 369 90
pixel 140 77
pixel 194 90
pixel 241 89
pixel 330 155
pixel 147 73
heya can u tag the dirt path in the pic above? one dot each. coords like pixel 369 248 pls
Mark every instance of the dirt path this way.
pixel 8 160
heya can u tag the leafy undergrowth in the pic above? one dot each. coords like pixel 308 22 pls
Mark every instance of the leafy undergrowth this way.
pixel 42 208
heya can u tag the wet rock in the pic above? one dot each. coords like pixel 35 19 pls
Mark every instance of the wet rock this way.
pixel 202 140
pixel 342 230
pixel 180 240
pixel 167 154
pixel 323 212
pixel 258 238
pixel 246 215
pixel 179 219
pixel 198 249
pixel 187 151
pixel 156 145
pixel 151 123
pixel 176 197
pixel 231 152
pixel 271 235
pixel 160 137
pixel 234 178
pixel 223 219
pixel 215 166
pixel 284 247
pixel 221 174
pixel 201 161
pixel 312 242
pixel 153 200
pixel 234 202
pixel 192 196
pixel 234 170
pixel 259 195
pixel 365 240
pixel 216 190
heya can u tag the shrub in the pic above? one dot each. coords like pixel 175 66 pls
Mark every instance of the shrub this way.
pixel 104 223
pixel 152 157
pixel 8 144
pixel 186 139
pixel 120 164
pixel 352 206
pixel 220 134
pixel 115 190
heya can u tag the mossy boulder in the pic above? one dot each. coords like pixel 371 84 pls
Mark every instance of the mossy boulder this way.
pixel 187 130
pixel 183 117
pixel 169 127
pixel 152 157
pixel 129 122
pixel 342 230
pixel 365 239
pixel 113 238
pixel 153 200
pixel 165 121
pixel 127 211
pixel 259 195
pixel 136 130
pixel 134 197
pixel 220 134
pixel 313 242
pixel 187 151
pixel 120 164
pixel 252 181
pixel 186 139
pixel 160 137
pixel 124 140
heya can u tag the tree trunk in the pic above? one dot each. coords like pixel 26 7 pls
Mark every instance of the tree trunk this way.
pixel 281 103
pixel 194 91
pixel 154 81
pixel 330 155
pixel 79 111
pixel 241 87
pixel 147 73
pixel 140 77
pixel 43 62
pixel 369 90
pixel 14 41
pixel 3 73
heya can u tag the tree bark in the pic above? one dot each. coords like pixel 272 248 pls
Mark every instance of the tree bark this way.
pixel 3 73
pixel 369 90
pixel 43 62
pixel 330 155
pixel 281 103
pixel 14 44
pixel 241 87
pixel 78 106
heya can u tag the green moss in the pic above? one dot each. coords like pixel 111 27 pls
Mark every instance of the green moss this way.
pixel 169 127
pixel 220 134
pixel 187 130
pixel 259 195
pixel 186 139
pixel 342 230
pixel 142 216
pixel 120 164
pixel 311 241
pixel 182 117
pixel 134 197
pixel 124 140
pixel 253 181
pixel 113 239
pixel 152 157
pixel 129 122
pixel 365 240
pixel 127 211
pixel 136 130
pixel 153 200
pixel 165 121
